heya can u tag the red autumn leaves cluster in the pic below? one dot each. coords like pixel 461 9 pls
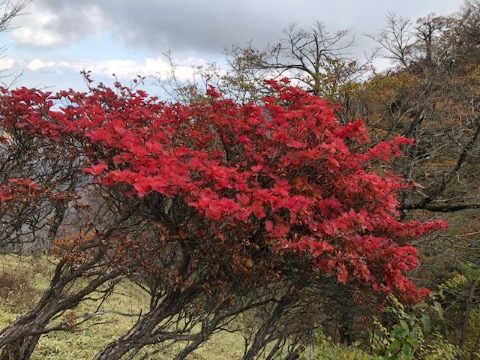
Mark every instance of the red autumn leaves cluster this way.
pixel 314 187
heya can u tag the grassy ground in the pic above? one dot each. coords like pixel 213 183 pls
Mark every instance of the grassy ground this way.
pixel 22 280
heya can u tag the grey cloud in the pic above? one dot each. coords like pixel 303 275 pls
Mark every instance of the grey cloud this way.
pixel 192 27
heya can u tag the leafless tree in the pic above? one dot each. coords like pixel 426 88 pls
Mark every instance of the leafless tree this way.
pixel 9 10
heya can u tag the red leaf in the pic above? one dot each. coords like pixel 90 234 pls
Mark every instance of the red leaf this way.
pixel 95 169
pixel 268 225
pixel 142 187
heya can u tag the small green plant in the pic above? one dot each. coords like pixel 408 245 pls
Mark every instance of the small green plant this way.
pixel 412 335
pixel 326 349
pixel 404 337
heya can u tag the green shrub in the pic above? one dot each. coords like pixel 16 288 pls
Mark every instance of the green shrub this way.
pixel 412 336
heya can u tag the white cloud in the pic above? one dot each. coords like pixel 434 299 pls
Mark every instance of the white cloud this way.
pixel 37 38
pixel 129 69
pixel 37 64
pixel 49 27
pixel 122 69
pixel 184 68
pixel 6 63
pixel 34 31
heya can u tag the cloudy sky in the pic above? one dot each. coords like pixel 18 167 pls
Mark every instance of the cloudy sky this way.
pixel 58 38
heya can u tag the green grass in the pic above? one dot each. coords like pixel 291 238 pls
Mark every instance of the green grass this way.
pixel 22 280
pixel 85 343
